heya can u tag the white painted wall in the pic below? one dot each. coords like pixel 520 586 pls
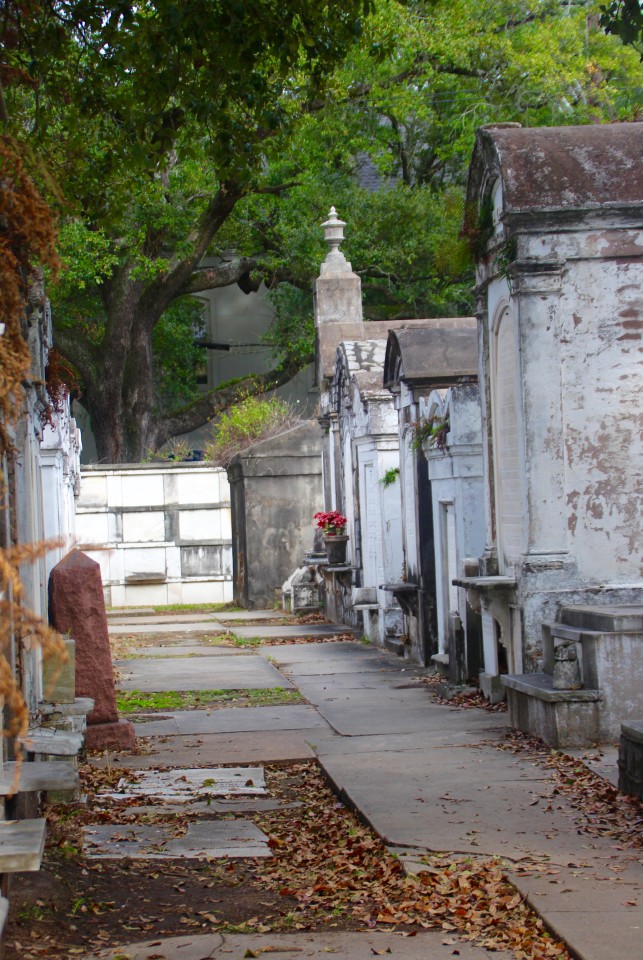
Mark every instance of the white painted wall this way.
pixel 161 532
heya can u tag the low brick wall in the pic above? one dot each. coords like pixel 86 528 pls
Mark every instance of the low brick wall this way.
pixel 160 532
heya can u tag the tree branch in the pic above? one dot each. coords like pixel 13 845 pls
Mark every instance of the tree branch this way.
pixel 222 275
pixel 78 351
pixel 212 404
pixel 278 189
pixel 163 290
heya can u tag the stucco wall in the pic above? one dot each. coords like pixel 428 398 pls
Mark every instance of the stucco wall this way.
pixel 276 489
pixel 161 532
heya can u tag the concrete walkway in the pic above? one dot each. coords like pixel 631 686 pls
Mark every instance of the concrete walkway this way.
pixel 425 776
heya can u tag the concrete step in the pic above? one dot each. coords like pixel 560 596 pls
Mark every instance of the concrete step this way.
pixel 21 845
pixel 40 775
pixel 79 707
pixel 52 743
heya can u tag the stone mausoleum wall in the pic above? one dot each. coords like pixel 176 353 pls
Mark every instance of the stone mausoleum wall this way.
pixel 160 532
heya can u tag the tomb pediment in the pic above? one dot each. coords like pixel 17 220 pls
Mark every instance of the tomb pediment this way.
pixel 440 352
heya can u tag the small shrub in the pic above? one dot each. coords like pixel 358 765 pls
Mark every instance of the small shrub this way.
pixel 390 476
pixel 255 418
pixel 432 431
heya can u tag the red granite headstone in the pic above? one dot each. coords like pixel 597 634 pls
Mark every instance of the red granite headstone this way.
pixel 77 607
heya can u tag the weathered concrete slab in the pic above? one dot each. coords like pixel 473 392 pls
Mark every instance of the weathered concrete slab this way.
pixel 295 717
pixel 21 845
pixel 205 673
pixel 354 720
pixel 239 616
pixel 52 743
pixel 40 775
pixel 211 749
pixel 321 652
pixel 202 625
pixel 151 618
pixel 182 648
pixel 467 800
pixel 430 945
pixel 205 839
pixel 439 739
pixel 304 630
pixel 188 784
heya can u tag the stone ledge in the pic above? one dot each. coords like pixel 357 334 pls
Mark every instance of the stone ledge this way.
pixel 42 775
pixel 633 730
pixel 540 686
pixel 21 845
pixel 53 743
pixel 80 707
pixel 562 718
pixel 604 618
pixel 394 646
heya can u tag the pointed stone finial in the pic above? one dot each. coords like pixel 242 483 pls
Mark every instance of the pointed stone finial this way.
pixel 334 234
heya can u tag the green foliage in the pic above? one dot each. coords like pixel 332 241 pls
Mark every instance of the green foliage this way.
pixel 624 18
pixel 255 418
pixel 433 431
pixel 292 333
pixel 197 608
pixel 178 360
pixel 135 701
pixel 136 114
pixel 390 477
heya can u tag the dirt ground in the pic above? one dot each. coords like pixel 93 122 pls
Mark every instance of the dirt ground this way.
pixel 74 903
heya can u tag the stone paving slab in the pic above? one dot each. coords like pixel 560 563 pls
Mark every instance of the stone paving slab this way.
pixel 597 911
pixel 429 945
pixel 186 784
pixel 319 653
pixel 464 801
pixel 119 620
pixel 21 845
pixel 295 630
pixel 361 719
pixel 231 672
pixel 39 775
pixel 238 616
pixel 170 626
pixel 179 649
pixel 243 719
pixel 209 749
pixel 352 683
pixel 205 839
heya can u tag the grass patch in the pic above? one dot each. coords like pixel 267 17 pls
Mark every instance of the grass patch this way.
pixel 197 608
pixel 247 641
pixel 136 701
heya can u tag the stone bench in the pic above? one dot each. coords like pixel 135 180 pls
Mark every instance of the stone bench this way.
pixel 40 776
pixel 21 845
pixel 562 718
pixel 630 759
pixel 49 742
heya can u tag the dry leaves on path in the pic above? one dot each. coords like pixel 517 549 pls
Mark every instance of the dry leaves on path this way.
pixel 331 864
pixel 602 810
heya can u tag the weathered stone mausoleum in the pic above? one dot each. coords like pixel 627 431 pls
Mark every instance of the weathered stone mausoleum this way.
pixel 559 305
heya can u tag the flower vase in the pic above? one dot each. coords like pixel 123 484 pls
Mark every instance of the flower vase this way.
pixel 336 550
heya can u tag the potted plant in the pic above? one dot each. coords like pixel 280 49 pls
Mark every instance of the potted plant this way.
pixel 333 527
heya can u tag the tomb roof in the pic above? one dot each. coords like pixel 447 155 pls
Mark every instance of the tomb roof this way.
pixel 438 352
pixel 362 362
pixel 559 168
